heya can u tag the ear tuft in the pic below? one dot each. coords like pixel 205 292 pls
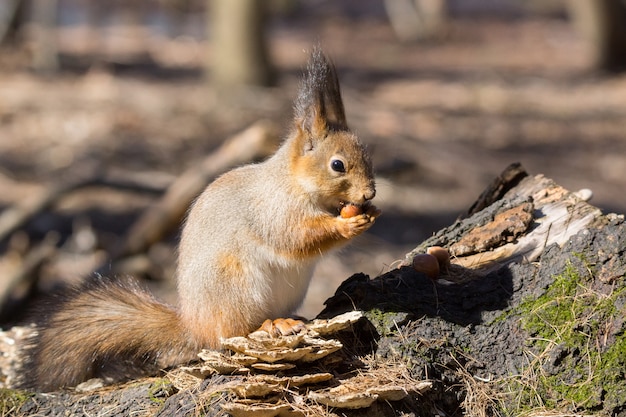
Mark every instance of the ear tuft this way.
pixel 319 108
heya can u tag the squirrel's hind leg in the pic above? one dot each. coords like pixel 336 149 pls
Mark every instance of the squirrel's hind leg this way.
pixel 282 326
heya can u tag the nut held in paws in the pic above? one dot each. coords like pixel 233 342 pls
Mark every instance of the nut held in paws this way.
pixel 350 210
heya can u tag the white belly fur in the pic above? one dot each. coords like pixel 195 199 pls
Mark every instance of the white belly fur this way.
pixel 288 288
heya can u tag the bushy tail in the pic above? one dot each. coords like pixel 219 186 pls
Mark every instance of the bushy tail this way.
pixel 105 329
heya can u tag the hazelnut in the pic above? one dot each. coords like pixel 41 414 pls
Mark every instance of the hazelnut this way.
pixel 350 210
pixel 427 264
pixel 442 255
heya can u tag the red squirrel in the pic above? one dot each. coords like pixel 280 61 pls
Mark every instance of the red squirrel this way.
pixel 247 251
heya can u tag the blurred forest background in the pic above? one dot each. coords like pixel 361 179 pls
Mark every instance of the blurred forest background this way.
pixel 105 104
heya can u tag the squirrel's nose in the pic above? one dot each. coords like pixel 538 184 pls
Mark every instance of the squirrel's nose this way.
pixel 369 194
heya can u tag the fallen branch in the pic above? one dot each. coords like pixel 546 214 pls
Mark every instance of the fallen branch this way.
pixel 256 142
pixel 19 283
pixel 17 216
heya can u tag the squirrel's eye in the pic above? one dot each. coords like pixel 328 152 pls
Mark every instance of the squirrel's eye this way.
pixel 337 165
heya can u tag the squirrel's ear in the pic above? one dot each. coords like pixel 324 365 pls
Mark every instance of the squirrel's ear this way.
pixel 319 108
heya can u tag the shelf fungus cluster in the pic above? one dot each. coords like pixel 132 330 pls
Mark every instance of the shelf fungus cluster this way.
pixel 297 375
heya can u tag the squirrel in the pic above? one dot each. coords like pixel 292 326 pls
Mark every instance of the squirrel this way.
pixel 246 254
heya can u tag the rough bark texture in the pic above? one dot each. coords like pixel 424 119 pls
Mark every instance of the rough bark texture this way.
pixel 516 319
pixel 529 317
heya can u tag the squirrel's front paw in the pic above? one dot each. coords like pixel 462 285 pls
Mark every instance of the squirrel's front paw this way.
pixel 354 226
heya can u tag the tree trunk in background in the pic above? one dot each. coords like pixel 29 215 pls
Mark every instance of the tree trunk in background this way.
pixel 11 18
pixel 414 20
pixel 45 53
pixel 603 24
pixel 240 52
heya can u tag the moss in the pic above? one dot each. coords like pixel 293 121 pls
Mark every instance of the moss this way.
pixel 385 323
pixel 576 355
pixel 11 401
pixel 160 390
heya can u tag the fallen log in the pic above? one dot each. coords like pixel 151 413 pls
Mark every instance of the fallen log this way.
pixel 528 318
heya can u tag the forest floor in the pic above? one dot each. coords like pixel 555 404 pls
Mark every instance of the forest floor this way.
pixel 442 118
